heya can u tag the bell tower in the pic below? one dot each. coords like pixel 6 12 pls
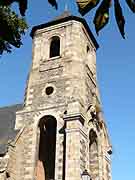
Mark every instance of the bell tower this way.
pixel 62 132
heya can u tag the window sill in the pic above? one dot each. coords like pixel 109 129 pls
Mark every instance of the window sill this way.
pixel 53 58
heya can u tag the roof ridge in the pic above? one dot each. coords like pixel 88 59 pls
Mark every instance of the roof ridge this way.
pixel 11 106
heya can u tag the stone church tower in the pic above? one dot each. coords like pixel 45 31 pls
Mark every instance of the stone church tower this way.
pixel 61 133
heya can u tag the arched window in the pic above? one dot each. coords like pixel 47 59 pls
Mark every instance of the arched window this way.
pixel 47 147
pixel 93 154
pixel 55 47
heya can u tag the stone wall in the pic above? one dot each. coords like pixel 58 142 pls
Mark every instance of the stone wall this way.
pixel 72 75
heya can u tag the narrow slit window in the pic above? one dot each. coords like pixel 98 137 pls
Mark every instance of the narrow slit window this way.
pixel 55 47
pixel 88 49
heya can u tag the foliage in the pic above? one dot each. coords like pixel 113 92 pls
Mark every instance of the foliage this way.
pixel 22 5
pixel 12 27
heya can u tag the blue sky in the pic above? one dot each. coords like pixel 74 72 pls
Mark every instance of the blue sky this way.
pixel 116 78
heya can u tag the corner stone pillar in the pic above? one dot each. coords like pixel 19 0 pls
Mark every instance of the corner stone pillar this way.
pixel 73 146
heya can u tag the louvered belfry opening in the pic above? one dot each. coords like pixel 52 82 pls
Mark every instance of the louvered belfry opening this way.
pixel 47 148
pixel 55 47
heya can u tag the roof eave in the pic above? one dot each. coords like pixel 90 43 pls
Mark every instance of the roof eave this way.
pixel 57 21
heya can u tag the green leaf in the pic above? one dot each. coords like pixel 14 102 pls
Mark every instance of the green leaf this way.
pixel 119 17
pixel 102 15
pixel 22 6
pixel 53 3
pixel 85 6
pixel 131 4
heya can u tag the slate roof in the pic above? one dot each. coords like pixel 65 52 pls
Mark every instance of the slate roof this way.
pixel 7 124
pixel 66 16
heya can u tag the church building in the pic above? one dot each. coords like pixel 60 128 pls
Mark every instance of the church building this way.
pixel 59 132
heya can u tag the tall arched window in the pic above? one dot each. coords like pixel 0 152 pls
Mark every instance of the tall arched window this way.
pixel 47 147
pixel 93 154
pixel 55 47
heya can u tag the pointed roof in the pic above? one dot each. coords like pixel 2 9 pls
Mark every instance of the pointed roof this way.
pixel 65 14
pixel 64 17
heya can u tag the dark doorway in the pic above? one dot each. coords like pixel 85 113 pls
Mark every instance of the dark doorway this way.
pixel 47 147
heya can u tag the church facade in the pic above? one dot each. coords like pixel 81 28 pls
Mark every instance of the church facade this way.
pixel 59 132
